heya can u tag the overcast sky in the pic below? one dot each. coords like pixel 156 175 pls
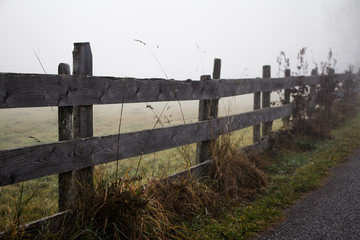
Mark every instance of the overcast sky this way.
pixel 245 34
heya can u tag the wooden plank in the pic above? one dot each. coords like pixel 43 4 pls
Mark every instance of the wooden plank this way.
pixel 244 120
pixel 65 124
pixel 52 223
pixel 266 127
pixel 27 163
pixel 83 114
pixel 38 90
pixel 197 171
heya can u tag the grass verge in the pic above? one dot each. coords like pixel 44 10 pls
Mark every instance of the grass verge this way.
pixel 294 168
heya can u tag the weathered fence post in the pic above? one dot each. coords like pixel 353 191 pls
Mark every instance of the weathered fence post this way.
pixel 65 123
pixel 83 115
pixel 314 72
pixel 266 127
pixel 208 109
pixel 256 128
pixel 214 104
pixel 287 98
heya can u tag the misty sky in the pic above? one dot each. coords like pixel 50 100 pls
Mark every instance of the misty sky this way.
pixel 245 34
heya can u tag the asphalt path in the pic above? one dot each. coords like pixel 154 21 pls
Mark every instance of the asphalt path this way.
pixel 330 212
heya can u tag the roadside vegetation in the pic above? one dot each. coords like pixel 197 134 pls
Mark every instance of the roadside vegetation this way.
pixel 293 168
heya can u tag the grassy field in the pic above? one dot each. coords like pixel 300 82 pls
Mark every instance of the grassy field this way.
pixel 26 127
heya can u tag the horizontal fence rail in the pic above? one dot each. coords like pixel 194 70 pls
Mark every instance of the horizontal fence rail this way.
pixel 39 90
pixel 27 163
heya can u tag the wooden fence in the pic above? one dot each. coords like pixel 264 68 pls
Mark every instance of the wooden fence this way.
pixel 77 151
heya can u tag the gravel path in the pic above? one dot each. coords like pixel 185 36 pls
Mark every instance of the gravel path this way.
pixel 330 212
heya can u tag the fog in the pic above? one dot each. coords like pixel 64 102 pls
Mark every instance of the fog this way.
pixel 181 38
pixel 185 36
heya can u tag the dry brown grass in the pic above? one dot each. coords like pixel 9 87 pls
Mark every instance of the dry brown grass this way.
pixel 184 198
pixel 236 175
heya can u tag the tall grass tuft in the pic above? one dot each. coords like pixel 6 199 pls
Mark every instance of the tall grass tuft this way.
pixel 120 209
pixel 236 175
pixel 17 215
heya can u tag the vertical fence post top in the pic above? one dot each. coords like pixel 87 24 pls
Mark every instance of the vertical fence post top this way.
pixel 287 72
pixel 205 77
pixel 266 71
pixel 314 72
pixel 81 43
pixel 82 59
pixel 217 68
pixel 64 68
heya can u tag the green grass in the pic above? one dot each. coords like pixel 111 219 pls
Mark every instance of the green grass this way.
pixel 292 173
pixel 44 203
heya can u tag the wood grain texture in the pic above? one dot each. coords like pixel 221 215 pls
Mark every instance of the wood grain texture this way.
pixel 256 128
pixel 38 90
pixel 65 124
pixel 266 127
pixel 208 109
pixel 214 104
pixel 27 163
pixel 203 147
pixel 83 114
pixel 82 59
